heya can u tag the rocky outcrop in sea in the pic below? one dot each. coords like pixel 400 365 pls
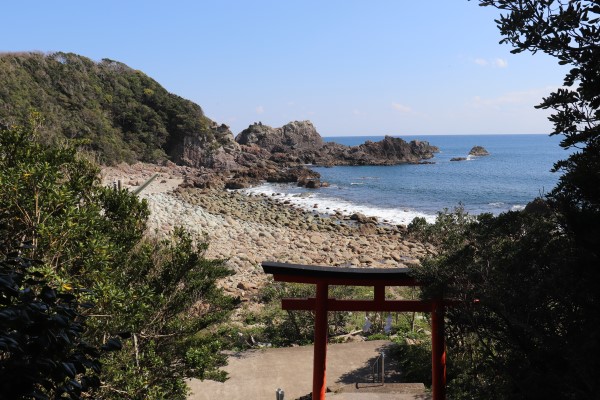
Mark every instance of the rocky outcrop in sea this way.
pixel 478 151
pixel 300 143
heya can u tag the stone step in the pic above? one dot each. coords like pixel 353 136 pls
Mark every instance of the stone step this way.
pixel 397 388
pixel 377 396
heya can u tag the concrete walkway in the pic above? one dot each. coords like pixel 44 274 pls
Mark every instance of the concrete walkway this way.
pixel 377 396
pixel 257 374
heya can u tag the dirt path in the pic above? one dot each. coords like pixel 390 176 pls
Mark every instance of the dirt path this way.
pixel 257 374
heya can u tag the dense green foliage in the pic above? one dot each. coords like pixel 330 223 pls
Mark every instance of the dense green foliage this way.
pixel 42 353
pixel 123 114
pixel 528 322
pixel 282 328
pixel 525 327
pixel 414 360
pixel 175 287
pixel 570 32
pixel 154 294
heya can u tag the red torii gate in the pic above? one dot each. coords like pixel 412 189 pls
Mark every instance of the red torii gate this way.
pixel 379 278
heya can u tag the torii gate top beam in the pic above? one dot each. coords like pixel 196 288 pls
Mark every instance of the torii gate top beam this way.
pixel 340 276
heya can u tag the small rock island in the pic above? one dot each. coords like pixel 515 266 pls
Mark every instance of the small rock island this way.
pixel 478 151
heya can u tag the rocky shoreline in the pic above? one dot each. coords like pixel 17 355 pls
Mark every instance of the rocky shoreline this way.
pixel 249 229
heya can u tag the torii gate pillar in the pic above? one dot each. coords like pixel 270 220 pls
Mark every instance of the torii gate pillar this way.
pixel 438 351
pixel 320 345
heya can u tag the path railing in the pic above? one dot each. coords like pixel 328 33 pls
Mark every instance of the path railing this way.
pixel 378 369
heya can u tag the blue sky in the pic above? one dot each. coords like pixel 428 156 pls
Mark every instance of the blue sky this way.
pixel 351 67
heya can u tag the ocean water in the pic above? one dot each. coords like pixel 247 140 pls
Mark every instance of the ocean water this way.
pixel 516 171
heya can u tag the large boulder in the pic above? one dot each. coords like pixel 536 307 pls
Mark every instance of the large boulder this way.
pixel 203 179
pixel 213 148
pixel 299 174
pixel 297 136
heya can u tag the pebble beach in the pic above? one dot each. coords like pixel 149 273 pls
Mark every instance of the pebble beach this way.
pixel 248 229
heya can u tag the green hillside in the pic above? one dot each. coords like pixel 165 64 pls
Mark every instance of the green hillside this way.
pixel 124 114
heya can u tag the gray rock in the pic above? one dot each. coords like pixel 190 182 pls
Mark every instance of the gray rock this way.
pixel 478 151
pixel 300 143
pixel 295 136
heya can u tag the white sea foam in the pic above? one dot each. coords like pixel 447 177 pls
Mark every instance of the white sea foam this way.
pixel 313 201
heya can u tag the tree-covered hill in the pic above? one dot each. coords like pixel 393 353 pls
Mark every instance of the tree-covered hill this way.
pixel 123 114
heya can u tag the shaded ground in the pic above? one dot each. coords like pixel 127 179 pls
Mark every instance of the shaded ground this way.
pixel 257 374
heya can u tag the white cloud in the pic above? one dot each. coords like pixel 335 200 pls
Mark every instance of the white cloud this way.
pixel 524 97
pixel 500 63
pixel 402 108
pixel 260 109
pixel 496 63
pixel 356 112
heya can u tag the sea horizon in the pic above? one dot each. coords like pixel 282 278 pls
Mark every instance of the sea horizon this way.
pixel 435 134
